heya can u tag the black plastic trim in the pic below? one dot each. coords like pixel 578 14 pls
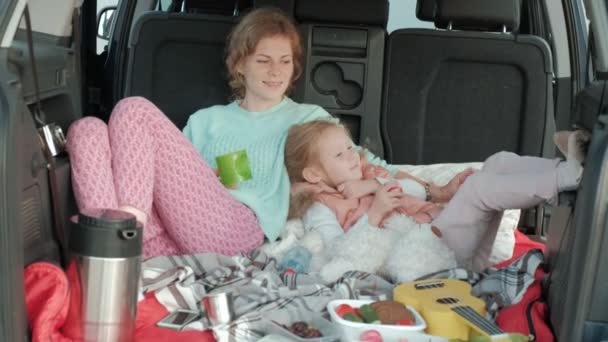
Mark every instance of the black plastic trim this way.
pixel 13 326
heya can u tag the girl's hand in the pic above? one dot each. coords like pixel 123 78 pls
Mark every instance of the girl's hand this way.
pixel 358 188
pixel 446 192
pixel 217 174
pixel 388 197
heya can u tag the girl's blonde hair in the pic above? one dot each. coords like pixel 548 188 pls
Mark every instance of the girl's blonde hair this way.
pixel 301 151
pixel 244 38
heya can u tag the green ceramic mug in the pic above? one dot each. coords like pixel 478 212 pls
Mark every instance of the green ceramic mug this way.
pixel 233 168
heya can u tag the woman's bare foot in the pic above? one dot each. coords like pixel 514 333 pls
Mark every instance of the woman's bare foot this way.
pixel 572 144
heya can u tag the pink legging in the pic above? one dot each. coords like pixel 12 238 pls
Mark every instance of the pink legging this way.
pixel 140 159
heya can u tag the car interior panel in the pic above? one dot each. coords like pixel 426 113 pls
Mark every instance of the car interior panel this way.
pixel 576 240
pixel 46 197
pixel 344 63
pixel 481 81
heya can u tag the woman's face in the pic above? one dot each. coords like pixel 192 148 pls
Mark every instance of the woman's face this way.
pixel 268 71
pixel 338 160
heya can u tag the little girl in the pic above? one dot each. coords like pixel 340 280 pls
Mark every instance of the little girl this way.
pixel 337 192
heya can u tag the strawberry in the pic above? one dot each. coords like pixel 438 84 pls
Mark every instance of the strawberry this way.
pixel 406 321
pixel 343 309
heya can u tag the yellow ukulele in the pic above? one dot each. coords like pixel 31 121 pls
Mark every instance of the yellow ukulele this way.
pixel 449 309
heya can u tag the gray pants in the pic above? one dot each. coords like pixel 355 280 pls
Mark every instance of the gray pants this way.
pixel 470 220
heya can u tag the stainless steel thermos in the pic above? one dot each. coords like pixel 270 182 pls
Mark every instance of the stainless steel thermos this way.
pixel 105 247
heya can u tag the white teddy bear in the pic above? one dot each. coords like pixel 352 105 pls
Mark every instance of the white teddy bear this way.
pixel 403 251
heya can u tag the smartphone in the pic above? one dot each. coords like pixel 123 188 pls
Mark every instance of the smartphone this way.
pixel 178 319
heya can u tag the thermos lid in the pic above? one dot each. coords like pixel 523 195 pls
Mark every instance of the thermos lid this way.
pixel 105 233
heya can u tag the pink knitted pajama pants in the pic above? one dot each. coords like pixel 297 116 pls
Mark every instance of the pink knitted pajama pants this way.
pixel 140 159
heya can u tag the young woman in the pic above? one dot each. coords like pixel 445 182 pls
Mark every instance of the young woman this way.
pixel 141 163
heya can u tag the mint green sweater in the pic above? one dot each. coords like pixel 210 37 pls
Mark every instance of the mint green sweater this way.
pixel 223 129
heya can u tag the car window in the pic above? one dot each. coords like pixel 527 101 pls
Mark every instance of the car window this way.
pixel 587 21
pixel 582 4
pixel 105 19
pixel 106 22
pixel 163 5
pixel 402 14
pixel 583 29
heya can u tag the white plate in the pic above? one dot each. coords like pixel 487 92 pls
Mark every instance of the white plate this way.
pixel 287 317
pixel 351 331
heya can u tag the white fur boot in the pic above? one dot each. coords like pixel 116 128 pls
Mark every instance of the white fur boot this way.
pixel 418 252
pixel 364 249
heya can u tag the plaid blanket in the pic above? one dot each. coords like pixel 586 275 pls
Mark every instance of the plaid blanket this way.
pixel 498 287
pixel 259 288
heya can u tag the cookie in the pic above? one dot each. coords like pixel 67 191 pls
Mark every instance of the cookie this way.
pixel 391 312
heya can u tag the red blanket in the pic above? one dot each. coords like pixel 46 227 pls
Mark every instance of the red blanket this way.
pixel 49 298
pixel 48 293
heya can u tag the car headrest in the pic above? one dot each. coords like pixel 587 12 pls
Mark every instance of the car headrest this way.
pixel 219 7
pixel 287 6
pixel 425 10
pixel 486 15
pixel 358 12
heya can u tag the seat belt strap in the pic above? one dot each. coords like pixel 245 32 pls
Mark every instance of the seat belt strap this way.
pixel 39 116
pixel 51 140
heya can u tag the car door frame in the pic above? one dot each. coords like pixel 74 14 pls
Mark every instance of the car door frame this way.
pixel 13 322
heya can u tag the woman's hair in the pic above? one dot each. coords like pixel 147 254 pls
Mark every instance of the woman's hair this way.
pixel 301 151
pixel 244 38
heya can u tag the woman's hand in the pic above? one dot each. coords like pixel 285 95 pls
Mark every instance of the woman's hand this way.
pixel 388 197
pixel 217 174
pixel 358 188
pixel 303 187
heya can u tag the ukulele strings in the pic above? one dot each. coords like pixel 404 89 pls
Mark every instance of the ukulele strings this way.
pixel 474 317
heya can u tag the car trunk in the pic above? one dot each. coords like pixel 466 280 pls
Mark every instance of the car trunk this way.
pixel 37 200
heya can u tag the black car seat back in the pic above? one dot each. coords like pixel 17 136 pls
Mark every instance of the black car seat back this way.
pixel 462 93
pixel 176 60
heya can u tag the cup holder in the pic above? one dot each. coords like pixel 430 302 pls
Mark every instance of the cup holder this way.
pixel 328 79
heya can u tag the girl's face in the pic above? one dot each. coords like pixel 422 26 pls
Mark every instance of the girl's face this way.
pixel 338 160
pixel 267 71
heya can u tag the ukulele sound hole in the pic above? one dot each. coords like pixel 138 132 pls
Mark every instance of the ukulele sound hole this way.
pixel 448 300
pixel 428 286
